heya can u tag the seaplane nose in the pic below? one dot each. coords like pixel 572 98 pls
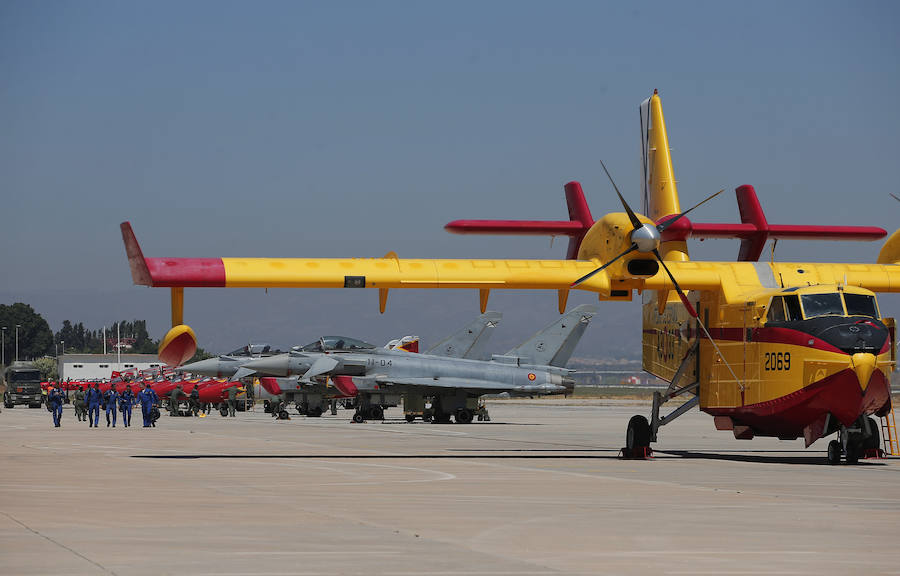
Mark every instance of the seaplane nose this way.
pixel 274 365
pixel 863 363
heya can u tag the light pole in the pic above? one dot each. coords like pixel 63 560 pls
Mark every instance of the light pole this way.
pixel 17 341
pixel 2 346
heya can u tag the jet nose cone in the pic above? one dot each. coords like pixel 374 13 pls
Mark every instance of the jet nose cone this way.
pixel 863 364
pixel 208 367
pixel 272 365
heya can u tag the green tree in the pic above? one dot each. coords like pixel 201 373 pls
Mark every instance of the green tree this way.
pixel 35 336
pixel 48 368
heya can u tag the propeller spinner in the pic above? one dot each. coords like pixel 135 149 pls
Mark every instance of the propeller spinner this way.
pixel 646 238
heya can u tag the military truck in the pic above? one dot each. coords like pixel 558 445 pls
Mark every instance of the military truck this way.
pixel 23 385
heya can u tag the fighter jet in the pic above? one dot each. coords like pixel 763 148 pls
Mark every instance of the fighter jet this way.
pixel 301 369
pixel 454 384
pixel 227 365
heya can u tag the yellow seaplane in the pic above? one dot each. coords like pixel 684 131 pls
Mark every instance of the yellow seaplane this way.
pixel 779 349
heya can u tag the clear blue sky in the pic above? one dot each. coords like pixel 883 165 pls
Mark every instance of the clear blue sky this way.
pixel 352 129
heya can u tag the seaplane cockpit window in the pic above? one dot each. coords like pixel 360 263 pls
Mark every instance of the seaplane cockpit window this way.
pixel 792 305
pixel 860 305
pixel 828 304
pixel 776 310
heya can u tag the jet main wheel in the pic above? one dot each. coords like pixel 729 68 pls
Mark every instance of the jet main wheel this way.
pixel 834 452
pixel 376 413
pixel 358 417
pixel 410 417
pixel 637 438
pixel 463 416
pixel 314 412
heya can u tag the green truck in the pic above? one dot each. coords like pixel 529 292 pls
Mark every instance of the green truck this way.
pixel 23 385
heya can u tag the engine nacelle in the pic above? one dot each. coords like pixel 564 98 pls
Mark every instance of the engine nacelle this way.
pixel 609 237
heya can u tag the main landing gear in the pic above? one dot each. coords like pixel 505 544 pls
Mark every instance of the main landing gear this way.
pixel 640 432
pixel 370 412
pixel 862 440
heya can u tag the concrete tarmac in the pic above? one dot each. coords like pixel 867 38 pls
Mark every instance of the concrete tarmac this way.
pixel 539 490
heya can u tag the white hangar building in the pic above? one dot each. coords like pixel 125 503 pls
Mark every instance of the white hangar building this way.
pixel 97 366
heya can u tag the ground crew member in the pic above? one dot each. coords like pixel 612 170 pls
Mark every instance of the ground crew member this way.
pixel 175 400
pixel 232 396
pixel 80 410
pixel 93 398
pixel 126 401
pixel 148 400
pixel 195 400
pixel 55 402
pixel 111 399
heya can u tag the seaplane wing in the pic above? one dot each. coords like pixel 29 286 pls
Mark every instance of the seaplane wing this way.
pixel 397 273
pixel 386 273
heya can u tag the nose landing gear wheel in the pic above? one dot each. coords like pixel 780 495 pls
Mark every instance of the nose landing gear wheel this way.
pixel 852 455
pixel 834 452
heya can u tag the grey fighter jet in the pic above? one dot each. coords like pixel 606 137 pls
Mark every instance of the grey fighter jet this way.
pixel 228 365
pixel 301 369
pixel 454 385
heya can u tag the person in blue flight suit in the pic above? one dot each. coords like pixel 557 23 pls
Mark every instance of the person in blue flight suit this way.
pixel 148 399
pixel 93 398
pixel 55 402
pixel 126 401
pixel 111 401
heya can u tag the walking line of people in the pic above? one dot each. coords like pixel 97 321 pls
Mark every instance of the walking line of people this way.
pixel 89 402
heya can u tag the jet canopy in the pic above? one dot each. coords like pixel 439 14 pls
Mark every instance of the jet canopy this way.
pixel 812 302
pixel 334 344
pixel 251 350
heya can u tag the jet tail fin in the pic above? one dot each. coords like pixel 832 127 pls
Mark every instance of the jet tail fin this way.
pixel 553 346
pixel 470 340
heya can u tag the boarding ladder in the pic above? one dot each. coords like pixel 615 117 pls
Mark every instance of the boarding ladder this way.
pixel 889 434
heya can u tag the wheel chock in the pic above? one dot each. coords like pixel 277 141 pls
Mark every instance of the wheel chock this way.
pixel 645 453
pixel 873 454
